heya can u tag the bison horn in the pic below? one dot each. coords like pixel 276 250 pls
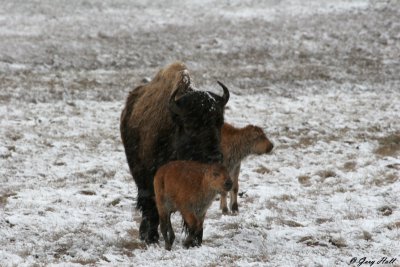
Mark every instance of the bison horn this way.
pixel 172 103
pixel 225 96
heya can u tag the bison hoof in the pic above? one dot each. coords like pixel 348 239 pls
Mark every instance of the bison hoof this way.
pixel 144 229
pixel 152 237
pixel 168 246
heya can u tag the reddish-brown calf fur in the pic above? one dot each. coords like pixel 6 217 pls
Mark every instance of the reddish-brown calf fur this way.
pixel 188 187
pixel 236 144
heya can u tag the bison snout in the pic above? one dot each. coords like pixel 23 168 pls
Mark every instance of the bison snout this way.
pixel 228 184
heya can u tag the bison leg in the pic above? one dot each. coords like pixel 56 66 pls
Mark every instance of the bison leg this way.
pixel 143 228
pixel 148 226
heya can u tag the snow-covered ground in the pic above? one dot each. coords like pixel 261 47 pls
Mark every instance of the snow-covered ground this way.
pixel 321 77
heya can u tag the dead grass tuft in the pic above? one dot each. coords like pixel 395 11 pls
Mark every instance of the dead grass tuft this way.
pixel 15 136
pixel 385 210
pixel 311 241
pixel 391 178
pixel 395 166
pixel 305 142
pixel 114 202
pixel 133 232
pixel 393 226
pixel 129 245
pixel 366 236
pixel 4 198
pixel 350 166
pixel 304 180
pixel 61 251
pixel 232 226
pixel 388 145
pixel 291 223
pixel 262 170
pixel 323 220
pixel 83 261
pixel 284 197
pixel 87 192
pixel 326 174
pixel 338 242
pixel 383 179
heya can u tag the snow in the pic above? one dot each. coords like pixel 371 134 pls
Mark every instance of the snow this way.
pixel 328 192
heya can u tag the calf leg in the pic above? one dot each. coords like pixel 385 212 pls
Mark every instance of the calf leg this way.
pixel 195 235
pixel 170 231
pixel 199 232
pixel 234 192
pixel 166 229
pixel 223 205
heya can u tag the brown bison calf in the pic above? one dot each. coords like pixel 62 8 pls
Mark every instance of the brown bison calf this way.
pixel 236 144
pixel 188 187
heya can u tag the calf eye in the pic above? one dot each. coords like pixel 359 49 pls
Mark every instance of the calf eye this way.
pixel 216 174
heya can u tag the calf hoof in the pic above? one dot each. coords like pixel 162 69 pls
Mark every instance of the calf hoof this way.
pixel 225 211
pixel 191 243
pixel 235 208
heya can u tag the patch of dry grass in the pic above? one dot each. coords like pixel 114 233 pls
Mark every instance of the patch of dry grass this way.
pixel 339 242
pixel 383 179
pixel 87 192
pixel 389 146
pixel 4 198
pixel 304 180
pixel 262 170
pixel 350 166
pixel 323 220
pixel 83 261
pixel 291 223
pixel 326 174
pixel 311 241
pixel 386 210
pixel 393 226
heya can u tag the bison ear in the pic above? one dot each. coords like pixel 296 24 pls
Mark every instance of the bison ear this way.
pixel 173 106
pixel 225 96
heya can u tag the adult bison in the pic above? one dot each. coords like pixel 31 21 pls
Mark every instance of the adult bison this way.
pixel 166 120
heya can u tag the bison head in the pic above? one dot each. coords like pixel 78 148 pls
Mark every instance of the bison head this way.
pixel 199 116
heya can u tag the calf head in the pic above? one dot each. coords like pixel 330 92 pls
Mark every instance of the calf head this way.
pixel 218 179
pixel 199 116
pixel 260 143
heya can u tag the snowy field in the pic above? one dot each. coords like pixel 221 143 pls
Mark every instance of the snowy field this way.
pixel 321 77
